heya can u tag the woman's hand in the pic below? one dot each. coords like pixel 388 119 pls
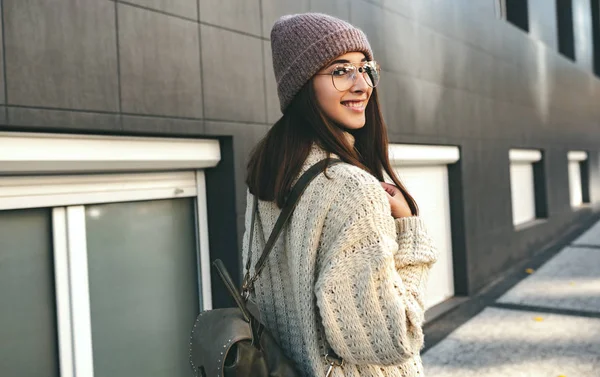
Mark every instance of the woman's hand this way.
pixel 397 201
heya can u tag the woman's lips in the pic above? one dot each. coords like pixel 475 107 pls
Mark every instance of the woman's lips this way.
pixel 357 106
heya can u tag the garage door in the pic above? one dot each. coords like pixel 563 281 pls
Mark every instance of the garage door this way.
pixel 423 169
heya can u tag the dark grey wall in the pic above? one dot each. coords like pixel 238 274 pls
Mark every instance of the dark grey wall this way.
pixel 455 73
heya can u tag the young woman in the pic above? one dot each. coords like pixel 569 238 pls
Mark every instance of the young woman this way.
pixel 348 273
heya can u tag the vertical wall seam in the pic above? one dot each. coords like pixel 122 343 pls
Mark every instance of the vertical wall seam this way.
pixel 264 71
pixel 4 60
pixel 202 83
pixel 119 90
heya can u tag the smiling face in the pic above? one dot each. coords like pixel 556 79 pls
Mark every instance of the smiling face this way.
pixel 347 107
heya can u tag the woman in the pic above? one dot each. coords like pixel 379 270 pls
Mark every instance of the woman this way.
pixel 349 272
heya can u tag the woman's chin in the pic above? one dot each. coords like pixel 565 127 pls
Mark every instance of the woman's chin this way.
pixel 353 125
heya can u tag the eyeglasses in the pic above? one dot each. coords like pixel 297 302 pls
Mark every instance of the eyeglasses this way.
pixel 344 75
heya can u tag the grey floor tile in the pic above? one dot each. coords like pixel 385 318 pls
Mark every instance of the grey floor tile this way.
pixel 503 343
pixel 590 237
pixel 571 280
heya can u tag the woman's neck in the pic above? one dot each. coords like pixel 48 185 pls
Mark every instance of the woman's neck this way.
pixel 349 137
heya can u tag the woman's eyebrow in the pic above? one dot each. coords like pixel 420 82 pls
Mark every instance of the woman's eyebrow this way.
pixel 343 61
pixel 339 61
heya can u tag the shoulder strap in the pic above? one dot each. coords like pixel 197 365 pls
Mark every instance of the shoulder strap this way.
pixel 249 257
pixel 283 218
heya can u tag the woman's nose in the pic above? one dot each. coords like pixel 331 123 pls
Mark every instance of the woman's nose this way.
pixel 360 84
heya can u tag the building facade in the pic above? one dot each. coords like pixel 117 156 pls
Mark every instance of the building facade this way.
pixel 125 128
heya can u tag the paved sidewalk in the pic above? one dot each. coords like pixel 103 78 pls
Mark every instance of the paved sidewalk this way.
pixel 548 325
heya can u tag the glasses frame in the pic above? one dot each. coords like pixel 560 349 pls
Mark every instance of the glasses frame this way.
pixel 357 68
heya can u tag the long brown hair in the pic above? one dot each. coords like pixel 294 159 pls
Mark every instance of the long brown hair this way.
pixel 277 159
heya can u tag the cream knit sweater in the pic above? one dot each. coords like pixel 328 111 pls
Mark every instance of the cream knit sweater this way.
pixel 344 274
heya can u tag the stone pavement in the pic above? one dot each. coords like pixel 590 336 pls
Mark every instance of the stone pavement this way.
pixel 547 325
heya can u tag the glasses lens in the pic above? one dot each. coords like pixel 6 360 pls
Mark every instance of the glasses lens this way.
pixel 343 77
pixel 371 73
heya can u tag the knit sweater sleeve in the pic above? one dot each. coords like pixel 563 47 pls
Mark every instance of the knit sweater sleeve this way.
pixel 414 256
pixel 369 313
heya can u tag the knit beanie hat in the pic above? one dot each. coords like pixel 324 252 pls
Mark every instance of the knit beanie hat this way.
pixel 303 43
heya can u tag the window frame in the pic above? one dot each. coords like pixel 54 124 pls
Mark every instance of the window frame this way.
pixel 580 158
pixel 533 158
pixel 446 158
pixel 66 172
pixel 516 12
pixel 565 31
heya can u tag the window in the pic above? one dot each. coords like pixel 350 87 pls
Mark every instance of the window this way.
pixel 578 178
pixel 595 7
pixel 564 18
pixel 517 13
pixel 114 242
pixel 424 171
pixel 28 332
pixel 527 186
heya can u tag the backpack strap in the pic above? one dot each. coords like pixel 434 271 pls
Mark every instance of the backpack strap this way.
pixel 245 290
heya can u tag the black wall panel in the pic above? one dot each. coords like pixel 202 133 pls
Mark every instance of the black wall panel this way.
pixel 455 73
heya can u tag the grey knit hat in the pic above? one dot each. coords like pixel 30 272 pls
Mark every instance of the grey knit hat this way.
pixel 303 43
